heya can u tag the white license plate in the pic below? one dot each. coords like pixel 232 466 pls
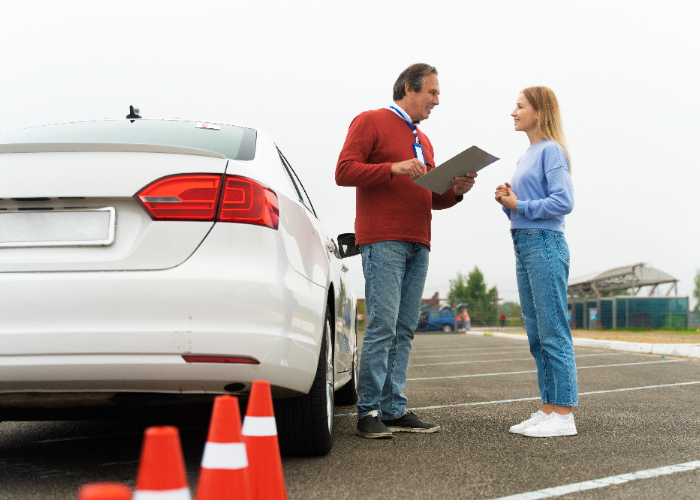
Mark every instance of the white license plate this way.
pixel 54 228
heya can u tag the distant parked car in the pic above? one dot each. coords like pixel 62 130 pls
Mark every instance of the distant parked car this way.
pixel 433 321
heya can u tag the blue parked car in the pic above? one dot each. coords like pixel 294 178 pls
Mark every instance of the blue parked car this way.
pixel 434 321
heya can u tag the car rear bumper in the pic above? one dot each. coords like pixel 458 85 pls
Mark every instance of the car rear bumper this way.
pixel 21 376
pixel 127 331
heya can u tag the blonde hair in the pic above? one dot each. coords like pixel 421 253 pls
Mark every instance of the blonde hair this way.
pixel 549 126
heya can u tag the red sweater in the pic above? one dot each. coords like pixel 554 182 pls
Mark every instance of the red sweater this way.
pixel 389 207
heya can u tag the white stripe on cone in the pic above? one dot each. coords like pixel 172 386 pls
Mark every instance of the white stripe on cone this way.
pixel 259 426
pixel 224 456
pixel 181 494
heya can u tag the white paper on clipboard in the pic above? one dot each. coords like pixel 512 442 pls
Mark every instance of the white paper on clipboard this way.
pixel 439 179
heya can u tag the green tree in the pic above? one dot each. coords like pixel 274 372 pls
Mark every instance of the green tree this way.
pixel 696 292
pixel 473 290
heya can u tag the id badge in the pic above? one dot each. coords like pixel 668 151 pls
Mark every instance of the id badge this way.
pixel 419 152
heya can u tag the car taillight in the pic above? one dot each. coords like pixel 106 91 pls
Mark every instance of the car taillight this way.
pixel 248 202
pixel 181 197
pixel 203 197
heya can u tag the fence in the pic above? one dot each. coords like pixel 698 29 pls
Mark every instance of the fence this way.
pixel 694 319
pixel 629 312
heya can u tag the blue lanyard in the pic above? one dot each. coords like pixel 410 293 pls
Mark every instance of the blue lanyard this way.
pixel 417 148
pixel 415 133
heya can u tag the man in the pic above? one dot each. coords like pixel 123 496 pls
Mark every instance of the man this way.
pixel 384 153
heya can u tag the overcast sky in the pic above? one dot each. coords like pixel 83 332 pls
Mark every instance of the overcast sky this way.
pixel 626 74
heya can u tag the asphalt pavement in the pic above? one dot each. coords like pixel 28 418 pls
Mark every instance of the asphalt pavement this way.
pixel 638 412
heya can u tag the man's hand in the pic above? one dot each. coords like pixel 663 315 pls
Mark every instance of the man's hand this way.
pixel 413 168
pixel 506 197
pixel 464 183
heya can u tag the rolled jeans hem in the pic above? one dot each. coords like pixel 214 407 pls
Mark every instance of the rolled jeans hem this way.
pixel 362 415
pixel 559 405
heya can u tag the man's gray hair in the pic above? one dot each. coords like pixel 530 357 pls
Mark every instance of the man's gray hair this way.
pixel 414 75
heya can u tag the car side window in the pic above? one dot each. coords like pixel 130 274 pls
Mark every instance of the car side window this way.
pixel 300 187
pixel 289 177
pixel 434 315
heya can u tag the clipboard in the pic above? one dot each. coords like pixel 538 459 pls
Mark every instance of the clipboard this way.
pixel 440 178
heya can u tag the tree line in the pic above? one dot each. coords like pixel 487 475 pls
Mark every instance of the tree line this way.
pixel 483 304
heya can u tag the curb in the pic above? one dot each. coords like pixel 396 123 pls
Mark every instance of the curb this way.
pixel 683 350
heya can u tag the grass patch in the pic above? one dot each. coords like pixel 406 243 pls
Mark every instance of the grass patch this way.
pixel 646 336
pixel 678 331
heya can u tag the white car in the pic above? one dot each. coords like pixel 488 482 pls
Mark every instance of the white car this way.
pixel 151 261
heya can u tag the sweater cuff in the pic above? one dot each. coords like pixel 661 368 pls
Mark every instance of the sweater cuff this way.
pixel 521 206
pixel 458 198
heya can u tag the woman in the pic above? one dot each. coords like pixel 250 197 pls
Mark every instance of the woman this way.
pixel 536 201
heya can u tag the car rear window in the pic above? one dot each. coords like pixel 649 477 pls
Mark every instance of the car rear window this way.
pixel 236 143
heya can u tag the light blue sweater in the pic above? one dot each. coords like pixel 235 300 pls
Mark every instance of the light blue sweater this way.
pixel 542 183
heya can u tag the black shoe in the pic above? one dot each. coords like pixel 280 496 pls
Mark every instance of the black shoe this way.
pixel 410 423
pixel 371 426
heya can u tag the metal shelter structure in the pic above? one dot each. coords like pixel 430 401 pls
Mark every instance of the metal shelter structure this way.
pixel 632 278
pixel 596 301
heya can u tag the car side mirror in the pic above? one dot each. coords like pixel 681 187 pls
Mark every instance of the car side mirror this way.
pixel 347 246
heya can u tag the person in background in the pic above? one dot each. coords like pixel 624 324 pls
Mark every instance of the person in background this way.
pixel 464 318
pixel 502 318
pixel 536 200
pixel 383 154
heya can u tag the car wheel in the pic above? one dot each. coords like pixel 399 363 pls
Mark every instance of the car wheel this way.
pixel 446 328
pixel 305 423
pixel 347 395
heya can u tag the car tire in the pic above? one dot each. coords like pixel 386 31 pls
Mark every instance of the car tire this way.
pixel 446 328
pixel 305 423
pixel 347 395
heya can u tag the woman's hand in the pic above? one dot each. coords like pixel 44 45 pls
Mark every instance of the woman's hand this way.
pixel 506 197
pixel 501 191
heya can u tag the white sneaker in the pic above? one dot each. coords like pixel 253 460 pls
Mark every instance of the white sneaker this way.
pixel 552 426
pixel 534 419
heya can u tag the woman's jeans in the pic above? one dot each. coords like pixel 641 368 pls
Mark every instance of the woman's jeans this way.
pixel 394 279
pixel 542 269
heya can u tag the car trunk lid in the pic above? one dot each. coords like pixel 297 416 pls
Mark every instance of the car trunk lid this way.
pixel 72 207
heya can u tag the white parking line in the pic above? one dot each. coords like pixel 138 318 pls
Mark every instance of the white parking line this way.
pixel 469 354
pixel 480 403
pixel 512 359
pixel 535 371
pixel 431 352
pixel 438 347
pixel 603 482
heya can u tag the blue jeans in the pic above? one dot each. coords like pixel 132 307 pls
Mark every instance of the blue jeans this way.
pixel 394 279
pixel 542 269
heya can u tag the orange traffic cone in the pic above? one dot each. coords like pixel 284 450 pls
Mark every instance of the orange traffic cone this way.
pixel 260 436
pixel 162 468
pixel 224 472
pixel 104 491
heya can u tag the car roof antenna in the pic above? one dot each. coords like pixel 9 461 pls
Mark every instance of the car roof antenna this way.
pixel 133 114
